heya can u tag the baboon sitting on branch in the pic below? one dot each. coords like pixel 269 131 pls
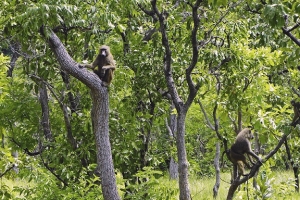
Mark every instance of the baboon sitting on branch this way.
pixel 241 146
pixel 296 119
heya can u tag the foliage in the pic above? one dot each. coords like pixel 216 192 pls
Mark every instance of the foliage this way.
pixel 152 186
pixel 269 185
pixel 260 71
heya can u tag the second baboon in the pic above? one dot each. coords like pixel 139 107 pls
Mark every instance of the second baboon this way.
pixel 104 64
pixel 238 160
pixel 241 146
pixel 296 107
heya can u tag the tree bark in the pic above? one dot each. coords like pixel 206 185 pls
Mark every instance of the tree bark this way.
pixel 295 168
pixel 99 114
pixel 173 169
pixel 180 106
pixel 182 159
pixel 43 98
pixel 172 127
pixel 15 48
pixel 217 167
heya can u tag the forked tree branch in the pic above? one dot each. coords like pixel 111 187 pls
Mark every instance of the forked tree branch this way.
pixel 290 35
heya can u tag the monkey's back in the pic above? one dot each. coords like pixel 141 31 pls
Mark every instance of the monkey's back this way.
pixel 240 146
pixel 242 143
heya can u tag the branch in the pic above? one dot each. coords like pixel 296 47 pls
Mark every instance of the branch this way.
pixel 205 116
pixel 68 64
pixel 26 151
pixel 64 29
pixel 226 13
pixel 10 168
pixel 255 11
pixel 52 172
pixel 290 35
pixel 148 12
pixel 236 129
pixel 167 59
pixel 193 89
pixel 281 141
pixel 294 27
pixel 239 119
pixel 15 48
pixel 43 97
pixel 217 168
pixel 296 91
pixel 217 125
pixel 71 98
pixel 64 109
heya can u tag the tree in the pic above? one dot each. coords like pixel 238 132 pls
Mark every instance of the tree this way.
pixel 99 114
pixel 239 67
pixel 180 106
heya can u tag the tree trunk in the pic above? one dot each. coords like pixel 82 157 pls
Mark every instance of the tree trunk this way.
pixel 217 167
pixel 15 48
pixel 257 147
pixel 172 128
pixel 232 189
pixel 99 115
pixel 295 168
pixel 43 98
pixel 173 169
pixel 182 158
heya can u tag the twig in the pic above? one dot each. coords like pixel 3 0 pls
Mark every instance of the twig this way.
pixel 7 170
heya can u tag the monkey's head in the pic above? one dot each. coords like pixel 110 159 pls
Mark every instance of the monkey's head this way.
pixel 293 102
pixel 104 50
pixel 248 134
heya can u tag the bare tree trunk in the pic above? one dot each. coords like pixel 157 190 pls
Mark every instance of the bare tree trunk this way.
pixel 257 151
pixel 182 159
pixel 173 169
pixel 15 48
pixel 43 98
pixel 295 168
pixel 99 113
pixel 172 127
pixel 100 117
pixel 180 106
pixel 217 167
pixel 2 140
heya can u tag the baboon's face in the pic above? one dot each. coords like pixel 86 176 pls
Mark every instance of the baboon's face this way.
pixel 104 50
pixel 249 135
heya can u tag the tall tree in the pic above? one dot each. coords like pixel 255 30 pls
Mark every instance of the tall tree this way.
pixel 99 114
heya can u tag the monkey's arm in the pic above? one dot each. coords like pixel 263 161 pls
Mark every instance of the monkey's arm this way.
pixel 255 156
pixel 109 67
pixel 90 66
pixel 110 63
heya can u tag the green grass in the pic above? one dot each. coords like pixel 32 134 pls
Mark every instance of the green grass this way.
pixel 203 188
pixel 276 185
pixel 279 184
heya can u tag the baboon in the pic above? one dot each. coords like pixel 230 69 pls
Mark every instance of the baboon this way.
pixel 105 63
pixel 241 146
pixel 238 160
pixel 296 106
